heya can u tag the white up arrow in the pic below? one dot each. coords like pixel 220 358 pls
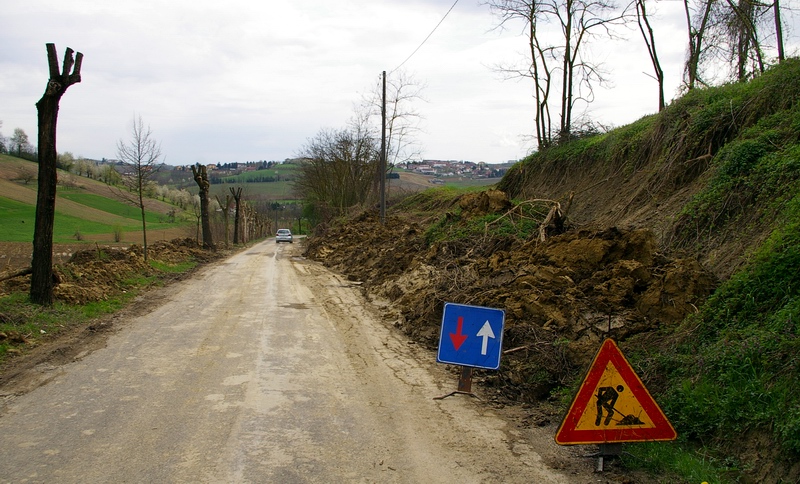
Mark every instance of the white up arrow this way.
pixel 486 333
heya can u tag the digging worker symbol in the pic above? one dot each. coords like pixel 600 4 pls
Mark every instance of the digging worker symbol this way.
pixel 606 399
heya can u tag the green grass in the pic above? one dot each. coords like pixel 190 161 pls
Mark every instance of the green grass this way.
pixel 282 190
pixel 18 221
pixel 25 323
pixel 672 458
pixel 111 206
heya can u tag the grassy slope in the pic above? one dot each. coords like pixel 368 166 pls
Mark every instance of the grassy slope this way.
pixel 86 206
pixel 717 177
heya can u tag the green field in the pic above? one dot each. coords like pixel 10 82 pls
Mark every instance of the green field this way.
pixel 18 221
pixel 281 189
pixel 111 206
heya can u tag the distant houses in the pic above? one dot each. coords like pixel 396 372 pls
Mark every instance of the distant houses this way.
pixel 452 168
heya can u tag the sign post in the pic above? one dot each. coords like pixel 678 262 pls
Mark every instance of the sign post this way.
pixel 613 406
pixel 472 337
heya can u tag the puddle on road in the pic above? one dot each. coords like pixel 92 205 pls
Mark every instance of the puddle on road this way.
pixel 295 306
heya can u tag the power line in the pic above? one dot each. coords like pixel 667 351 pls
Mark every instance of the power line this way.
pixel 426 38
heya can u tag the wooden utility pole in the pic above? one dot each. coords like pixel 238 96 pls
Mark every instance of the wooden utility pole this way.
pixel 42 262
pixel 382 168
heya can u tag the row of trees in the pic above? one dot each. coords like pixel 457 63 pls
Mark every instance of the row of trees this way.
pixel 142 156
pixel 559 33
pixel 17 145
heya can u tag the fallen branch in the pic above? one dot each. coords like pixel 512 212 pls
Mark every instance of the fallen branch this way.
pixel 20 273
pixel 517 208
pixel 512 350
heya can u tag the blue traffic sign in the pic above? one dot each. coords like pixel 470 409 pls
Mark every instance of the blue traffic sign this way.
pixel 471 336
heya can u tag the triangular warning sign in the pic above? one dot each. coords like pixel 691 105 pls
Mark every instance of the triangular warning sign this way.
pixel 612 405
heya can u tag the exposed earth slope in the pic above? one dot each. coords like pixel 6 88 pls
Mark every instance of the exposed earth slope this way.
pixel 627 235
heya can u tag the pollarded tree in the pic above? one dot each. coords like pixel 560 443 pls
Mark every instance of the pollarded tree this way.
pixel 47 108
pixel 142 156
pixel 237 217
pixel 201 178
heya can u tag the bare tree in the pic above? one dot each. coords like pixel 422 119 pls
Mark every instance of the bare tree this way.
pixel 402 118
pixel 201 178
pixel 141 154
pixel 776 8
pixel 47 109
pixel 576 23
pixel 697 22
pixel 538 68
pixel 338 169
pixel 649 39
pixel 744 45
pixel 732 31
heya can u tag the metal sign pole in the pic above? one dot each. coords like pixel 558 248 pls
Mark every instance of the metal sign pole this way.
pixel 464 385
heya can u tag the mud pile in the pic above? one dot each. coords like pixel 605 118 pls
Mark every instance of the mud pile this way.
pixel 562 297
pixel 99 273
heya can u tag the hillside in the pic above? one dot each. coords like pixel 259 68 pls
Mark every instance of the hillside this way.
pixel 87 212
pixel 678 236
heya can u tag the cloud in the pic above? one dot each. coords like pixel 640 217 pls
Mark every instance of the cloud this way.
pixel 243 80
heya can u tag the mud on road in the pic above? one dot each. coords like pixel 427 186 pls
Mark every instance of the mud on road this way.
pixel 484 439
pixel 562 297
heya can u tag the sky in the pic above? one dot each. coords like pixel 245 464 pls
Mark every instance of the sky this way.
pixel 246 80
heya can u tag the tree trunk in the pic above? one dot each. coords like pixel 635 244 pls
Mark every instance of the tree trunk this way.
pixel 42 284
pixel 649 39
pixel 144 219
pixel 237 196
pixel 779 31
pixel 201 178
pixel 225 216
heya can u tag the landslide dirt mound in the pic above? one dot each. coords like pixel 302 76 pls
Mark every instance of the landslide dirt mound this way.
pixel 562 297
pixel 96 274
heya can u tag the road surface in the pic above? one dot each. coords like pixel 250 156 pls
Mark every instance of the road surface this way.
pixel 265 367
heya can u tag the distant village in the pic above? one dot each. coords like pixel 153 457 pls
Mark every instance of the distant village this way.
pixel 434 168
pixel 452 168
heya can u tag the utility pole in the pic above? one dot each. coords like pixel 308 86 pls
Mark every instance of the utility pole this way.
pixel 383 153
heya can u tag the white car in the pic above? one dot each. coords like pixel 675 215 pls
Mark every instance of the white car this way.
pixel 284 235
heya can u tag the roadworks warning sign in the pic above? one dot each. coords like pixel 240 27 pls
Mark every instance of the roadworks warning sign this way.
pixel 612 405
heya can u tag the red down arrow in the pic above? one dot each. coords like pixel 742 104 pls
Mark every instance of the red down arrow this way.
pixel 458 338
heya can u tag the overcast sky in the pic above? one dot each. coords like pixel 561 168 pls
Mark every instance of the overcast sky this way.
pixel 246 80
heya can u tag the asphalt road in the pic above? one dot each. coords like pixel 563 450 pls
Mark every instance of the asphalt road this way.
pixel 262 368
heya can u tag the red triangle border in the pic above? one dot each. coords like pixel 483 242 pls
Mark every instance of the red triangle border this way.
pixel 568 434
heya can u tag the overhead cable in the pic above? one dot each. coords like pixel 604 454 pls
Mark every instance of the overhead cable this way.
pixel 426 38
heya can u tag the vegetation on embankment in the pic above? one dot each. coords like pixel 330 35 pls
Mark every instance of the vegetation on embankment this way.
pixel 717 175
pixel 715 182
pixel 711 174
